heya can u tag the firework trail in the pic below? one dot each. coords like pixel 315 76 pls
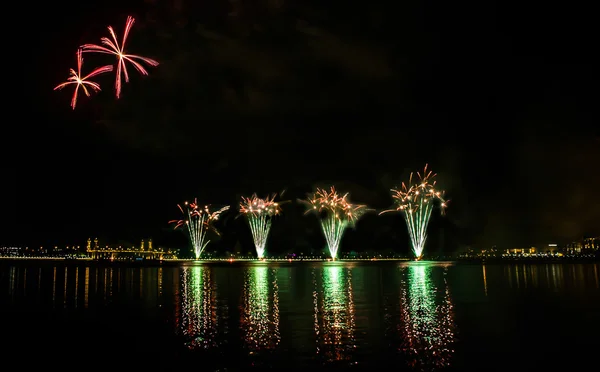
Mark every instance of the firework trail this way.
pixel 82 82
pixel 337 214
pixel 259 213
pixel 113 47
pixel 415 201
pixel 198 221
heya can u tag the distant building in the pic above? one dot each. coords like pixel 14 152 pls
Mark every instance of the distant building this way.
pixel 492 252
pixel 521 251
pixel 551 248
pixel 583 246
pixel 144 251
pixel 591 243
pixel 10 251
pixel 573 248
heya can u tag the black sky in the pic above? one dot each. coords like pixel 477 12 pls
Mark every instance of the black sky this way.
pixel 498 99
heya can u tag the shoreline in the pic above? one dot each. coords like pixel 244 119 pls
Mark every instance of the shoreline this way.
pixel 193 262
pixel 483 261
pixel 246 262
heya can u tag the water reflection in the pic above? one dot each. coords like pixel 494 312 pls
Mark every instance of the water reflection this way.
pixel 484 280
pixel 426 318
pixel 160 284
pixel 86 288
pixel 197 318
pixel 74 287
pixel 12 273
pixel 303 316
pixel 555 277
pixel 334 313
pixel 260 312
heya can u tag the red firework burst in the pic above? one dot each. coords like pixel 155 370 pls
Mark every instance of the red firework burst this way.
pixel 113 47
pixel 82 82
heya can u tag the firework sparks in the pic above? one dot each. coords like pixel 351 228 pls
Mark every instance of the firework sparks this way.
pixel 259 212
pixel 337 214
pixel 415 201
pixel 83 82
pixel 113 47
pixel 198 221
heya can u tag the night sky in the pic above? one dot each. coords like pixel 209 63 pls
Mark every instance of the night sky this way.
pixel 289 95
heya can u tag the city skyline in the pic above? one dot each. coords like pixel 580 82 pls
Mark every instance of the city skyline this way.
pixel 583 244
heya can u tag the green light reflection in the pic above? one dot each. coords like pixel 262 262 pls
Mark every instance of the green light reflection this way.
pixel 427 319
pixel 197 317
pixel 334 313
pixel 260 313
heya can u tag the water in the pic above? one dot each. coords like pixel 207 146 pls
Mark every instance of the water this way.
pixel 405 316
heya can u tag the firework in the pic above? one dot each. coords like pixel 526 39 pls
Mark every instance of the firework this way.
pixel 82 82
pixel 198 221
pixel 415 201
pixel 113 47
pixel 259 212
pixel 336 215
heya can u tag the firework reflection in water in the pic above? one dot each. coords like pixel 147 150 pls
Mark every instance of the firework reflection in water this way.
pixel 334 313
pixel 260 312
pixel 427 322
pixel 198 321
